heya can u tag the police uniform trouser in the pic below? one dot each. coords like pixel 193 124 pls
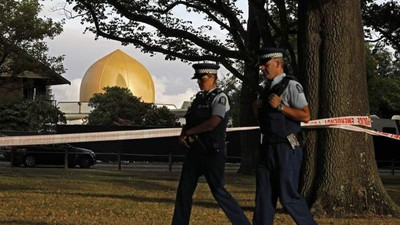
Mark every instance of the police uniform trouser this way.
pixel 212 167
pixel 278 176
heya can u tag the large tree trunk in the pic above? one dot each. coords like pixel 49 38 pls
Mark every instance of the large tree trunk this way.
pixel 340 174
pixel 249 139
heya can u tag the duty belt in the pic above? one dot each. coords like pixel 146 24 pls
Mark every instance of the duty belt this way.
pixel 291 139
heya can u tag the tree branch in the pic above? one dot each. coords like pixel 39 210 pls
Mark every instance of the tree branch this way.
pixel 146 46
pixel 262 18
pixel 228 65
pixel 67 13
pixel 376 40
pixel 169 32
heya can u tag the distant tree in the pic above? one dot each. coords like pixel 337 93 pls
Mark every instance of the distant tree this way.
pixel 382 23
pixel 383 81
pixel 231 86
pixel 119 106
pixel 159 116
pixel 384 96
pixel 29 115
pixel 384 65
pixel 22 35
pixel 370 62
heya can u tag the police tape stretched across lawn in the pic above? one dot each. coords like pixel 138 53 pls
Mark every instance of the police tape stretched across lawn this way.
pixel 353 123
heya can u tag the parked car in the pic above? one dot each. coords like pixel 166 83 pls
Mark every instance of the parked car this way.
pixel 54 154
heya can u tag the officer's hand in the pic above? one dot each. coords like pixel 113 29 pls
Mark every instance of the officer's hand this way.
pixel 274 100
pixel 182 141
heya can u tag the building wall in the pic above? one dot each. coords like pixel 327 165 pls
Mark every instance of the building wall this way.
pixel 22 88
pixel 11 90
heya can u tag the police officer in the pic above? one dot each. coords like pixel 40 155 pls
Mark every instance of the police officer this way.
pixel 280 110
pixel 204 136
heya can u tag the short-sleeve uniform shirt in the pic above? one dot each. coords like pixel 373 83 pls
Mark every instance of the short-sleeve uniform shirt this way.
pixel 293 95
pixel 220 105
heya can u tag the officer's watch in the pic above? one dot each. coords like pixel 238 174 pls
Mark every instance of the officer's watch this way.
pixel 279 107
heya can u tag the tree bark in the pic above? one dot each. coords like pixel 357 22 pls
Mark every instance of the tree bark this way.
pixel 249 141
pixel 340 174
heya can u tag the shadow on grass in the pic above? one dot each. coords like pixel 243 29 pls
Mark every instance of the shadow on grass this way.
pixel 147 182
pixel 158 181
pixel 26 222
pixel 204 204
pixel 19 187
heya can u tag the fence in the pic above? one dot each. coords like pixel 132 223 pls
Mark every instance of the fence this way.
pixel 171 158
pixel 390 166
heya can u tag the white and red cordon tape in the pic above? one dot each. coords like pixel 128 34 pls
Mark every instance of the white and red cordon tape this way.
pixel 353 123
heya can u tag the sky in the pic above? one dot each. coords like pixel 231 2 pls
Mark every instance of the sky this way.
pixel 171 78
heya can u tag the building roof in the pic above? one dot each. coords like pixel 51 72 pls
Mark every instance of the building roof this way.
pixel 118 69
pixel 37 70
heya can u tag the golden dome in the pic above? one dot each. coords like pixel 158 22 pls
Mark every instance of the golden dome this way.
pixel 118 69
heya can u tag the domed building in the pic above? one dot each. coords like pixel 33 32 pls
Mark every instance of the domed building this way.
pixel 117 69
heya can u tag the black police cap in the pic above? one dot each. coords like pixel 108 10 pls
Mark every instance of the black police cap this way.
pixel 266 54
pixel 201 69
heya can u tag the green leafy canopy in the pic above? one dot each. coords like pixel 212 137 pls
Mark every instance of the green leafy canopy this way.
pixel 22 32
pixel 28 115
pixel 117 104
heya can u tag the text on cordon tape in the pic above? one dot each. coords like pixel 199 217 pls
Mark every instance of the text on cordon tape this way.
pixel 346 120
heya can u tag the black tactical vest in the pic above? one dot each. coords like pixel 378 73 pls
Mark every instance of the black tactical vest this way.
pixel 274 124
pixel 200 111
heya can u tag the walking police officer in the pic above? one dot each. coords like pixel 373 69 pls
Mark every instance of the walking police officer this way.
pixel 280 110
pixel 204 136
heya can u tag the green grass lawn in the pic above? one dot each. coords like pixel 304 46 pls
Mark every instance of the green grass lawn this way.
pixel 42 196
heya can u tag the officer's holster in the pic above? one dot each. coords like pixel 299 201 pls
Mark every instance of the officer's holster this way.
pixel 205 144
